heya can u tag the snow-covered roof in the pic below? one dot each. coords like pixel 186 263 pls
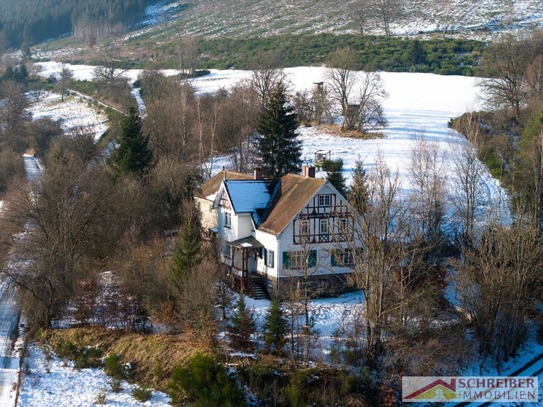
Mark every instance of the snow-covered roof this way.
pixel 250 196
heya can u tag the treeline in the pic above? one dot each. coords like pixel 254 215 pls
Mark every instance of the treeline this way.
pixel 393 54
pixel 508 133
pixel 29 22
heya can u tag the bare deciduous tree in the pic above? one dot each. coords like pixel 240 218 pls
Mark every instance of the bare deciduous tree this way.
pixel 504 65
pixel 498 283
pixel 428 198
pixel 467 194
pixel 385 11
pixel 341 79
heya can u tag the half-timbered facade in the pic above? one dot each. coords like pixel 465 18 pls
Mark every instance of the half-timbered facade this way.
pixel 274 232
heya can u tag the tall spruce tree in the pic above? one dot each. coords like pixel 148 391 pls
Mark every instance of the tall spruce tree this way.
pixel 334 174
pixel 358 194
pixel 275 327
pixel 133 155
pixel 278 146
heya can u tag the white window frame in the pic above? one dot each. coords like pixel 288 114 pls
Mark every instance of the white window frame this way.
pixel 324 227
pixel 227 220
pixel 304 227
pixel 325 200
pixel 270 261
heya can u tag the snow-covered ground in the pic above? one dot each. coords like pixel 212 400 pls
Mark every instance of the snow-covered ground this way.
pixel 59 384
pixel 418 104
pixel 76 114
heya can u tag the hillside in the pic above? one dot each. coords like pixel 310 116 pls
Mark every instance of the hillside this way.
pixel 302 32
pixel 266 18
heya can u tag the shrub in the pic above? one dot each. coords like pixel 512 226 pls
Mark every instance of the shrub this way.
pixel 205 382
pixel 142 394
pixel 113 366
pixel 100 398
pixel 115 386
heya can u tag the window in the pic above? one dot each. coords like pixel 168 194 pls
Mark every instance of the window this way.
pixel 227 251
pixel 323 229
pixel 324 200
pixel 298 259
pixel 342 258
pixel 304 227
pixel 342 225
pixel 270 258
pixel 227 220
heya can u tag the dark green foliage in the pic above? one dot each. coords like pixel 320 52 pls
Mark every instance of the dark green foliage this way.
pixel 275 327
pixel 113 367
pixel 442 56
pixel 133 155
pixel 206 383
pixel 278 145
pixel 242 326
pixel 334 174
pixel 82 356
pixel 142 394
pixel 27 22
pixel 187 252
pixel 358 193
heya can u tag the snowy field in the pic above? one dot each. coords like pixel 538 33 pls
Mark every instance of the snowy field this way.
pixel 418 104
pixel 75 114
pixel 59 384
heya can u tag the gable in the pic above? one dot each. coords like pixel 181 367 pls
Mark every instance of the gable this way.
pixel 292 196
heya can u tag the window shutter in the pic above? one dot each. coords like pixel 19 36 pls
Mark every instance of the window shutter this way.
pixel 265 256
pixel 312 259
pixel 333 260
pixel 286 260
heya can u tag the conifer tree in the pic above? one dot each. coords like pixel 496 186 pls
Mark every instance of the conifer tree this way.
pixel 275 327
pixel 133 155
pixel 334 174
pixel 278 146
pixel 242 326
pixel 358 194
pixel 187 252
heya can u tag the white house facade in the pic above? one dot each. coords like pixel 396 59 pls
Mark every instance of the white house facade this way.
pixel 273 233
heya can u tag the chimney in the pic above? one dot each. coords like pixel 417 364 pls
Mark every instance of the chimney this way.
pixel 257 173
pixel 308 171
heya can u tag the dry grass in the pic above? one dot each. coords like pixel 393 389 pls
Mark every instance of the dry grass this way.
pixel 337 132
pixel 152 357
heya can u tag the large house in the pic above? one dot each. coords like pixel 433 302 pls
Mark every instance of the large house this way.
pixel 272 233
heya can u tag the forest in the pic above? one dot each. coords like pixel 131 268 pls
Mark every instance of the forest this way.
pixel 29 22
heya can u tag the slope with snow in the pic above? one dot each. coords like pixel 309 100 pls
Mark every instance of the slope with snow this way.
pixel 75 114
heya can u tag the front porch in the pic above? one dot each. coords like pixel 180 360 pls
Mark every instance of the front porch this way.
pixel 242 264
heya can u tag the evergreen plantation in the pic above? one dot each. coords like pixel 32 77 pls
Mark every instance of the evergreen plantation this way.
pixel 29 21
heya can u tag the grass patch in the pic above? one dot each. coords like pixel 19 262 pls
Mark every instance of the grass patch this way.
pixel 337 132
pixel 151 357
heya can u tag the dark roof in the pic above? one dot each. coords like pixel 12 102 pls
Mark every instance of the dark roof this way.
pixel 212 185
pixel 248 242
pixel 292 195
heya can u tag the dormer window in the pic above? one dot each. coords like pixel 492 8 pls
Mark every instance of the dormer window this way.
pixel 324 200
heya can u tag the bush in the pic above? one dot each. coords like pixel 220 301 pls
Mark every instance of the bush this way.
pixel 83 357
pixel 113 366
pixel 100 398
pixel 115 386
pixel 205 382
pixel 142 394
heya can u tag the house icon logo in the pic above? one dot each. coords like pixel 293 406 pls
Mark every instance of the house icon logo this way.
pixel 416 389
